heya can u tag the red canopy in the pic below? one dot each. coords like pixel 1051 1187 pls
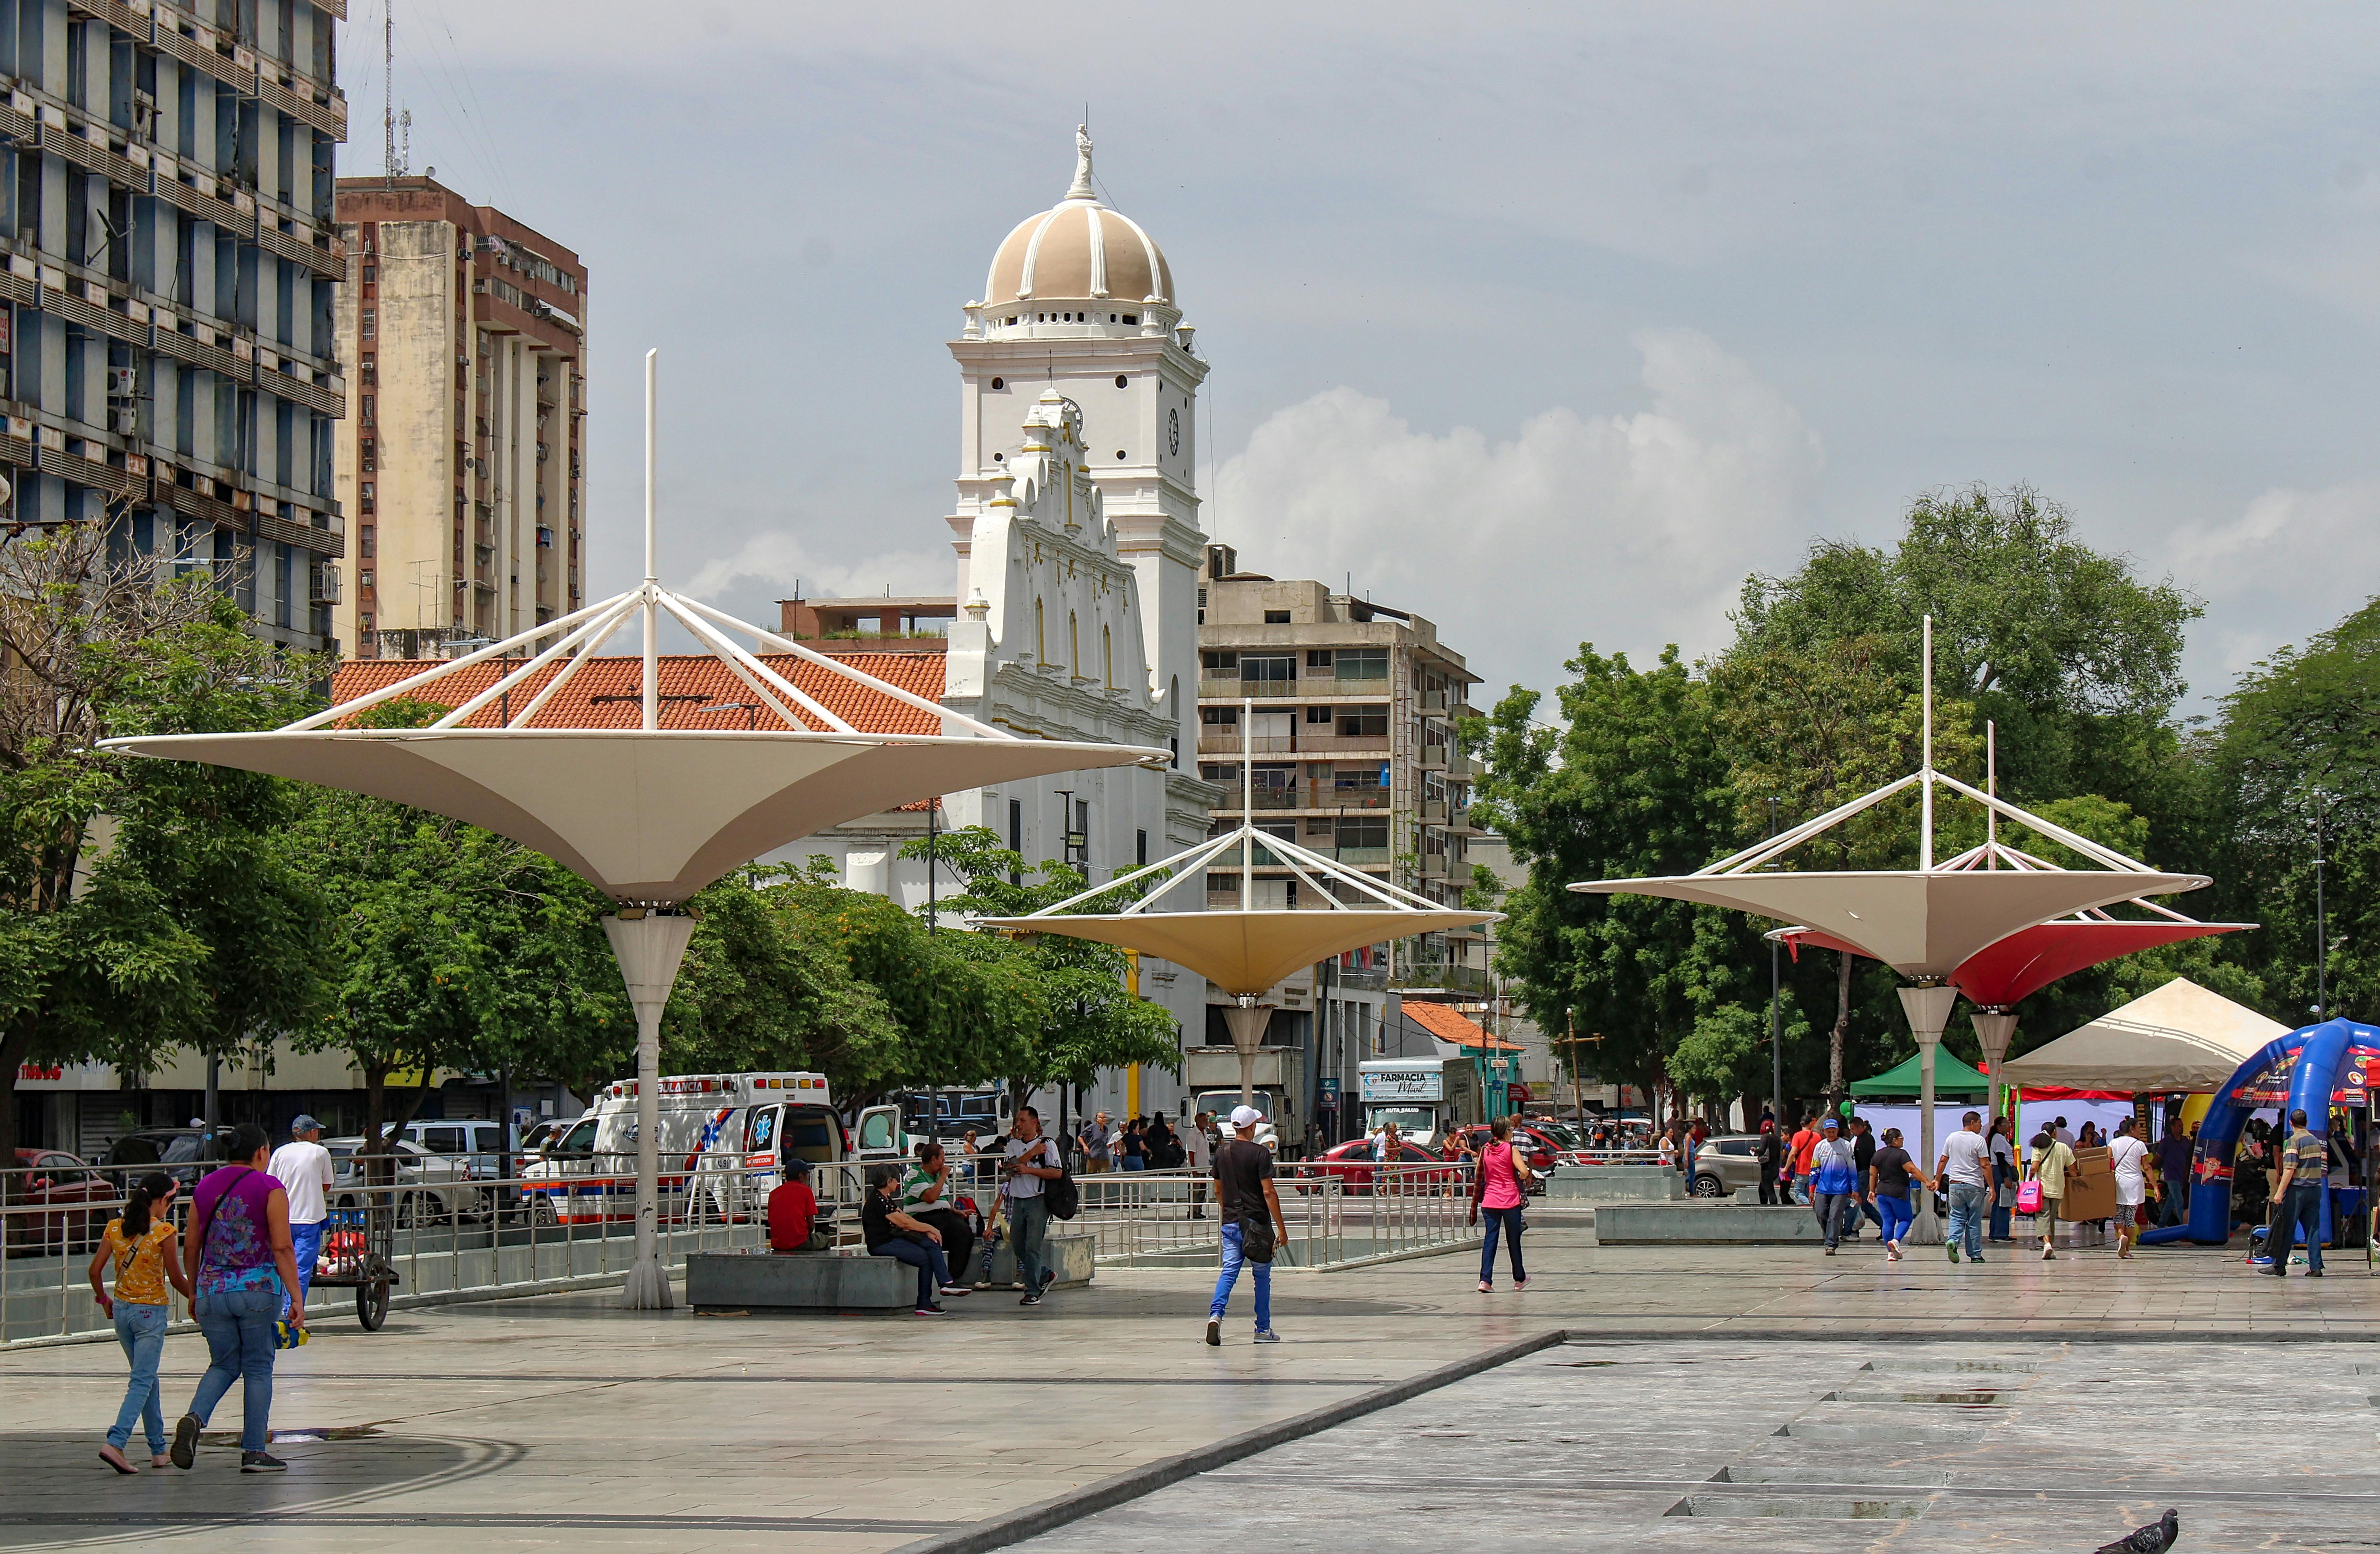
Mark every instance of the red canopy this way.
pixel 2030 959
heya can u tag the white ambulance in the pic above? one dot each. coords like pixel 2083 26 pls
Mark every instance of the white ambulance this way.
pixel 723 1139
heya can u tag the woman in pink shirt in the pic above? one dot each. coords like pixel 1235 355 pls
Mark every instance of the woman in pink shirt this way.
pixel 1497 1186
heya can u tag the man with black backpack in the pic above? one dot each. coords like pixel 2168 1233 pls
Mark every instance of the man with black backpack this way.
pixel 1253 1226
pixel 1031 1163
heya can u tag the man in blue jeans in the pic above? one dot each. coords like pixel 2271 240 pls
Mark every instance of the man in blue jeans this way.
pixel 1965 1172
pixel 304 1170
pixel 1031 1160
pixel 1244 1187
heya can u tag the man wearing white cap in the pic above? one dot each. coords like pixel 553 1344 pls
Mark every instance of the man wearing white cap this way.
pixel 303 1168
pixel 1244 1188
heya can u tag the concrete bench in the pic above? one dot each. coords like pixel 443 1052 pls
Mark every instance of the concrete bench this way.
pixel 1074 1255
pixel 1616 1183
pixel 798 1282
pixel 1706 1222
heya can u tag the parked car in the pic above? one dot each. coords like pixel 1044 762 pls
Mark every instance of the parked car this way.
pixel 1725 1163
pixel 60 1208
pixel 479 1142
pixel 183 1154
pixel 431 1189
pixel 1539 1148
pixel 1352 1165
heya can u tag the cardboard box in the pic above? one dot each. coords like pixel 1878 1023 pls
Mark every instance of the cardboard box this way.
pixel 2089 1187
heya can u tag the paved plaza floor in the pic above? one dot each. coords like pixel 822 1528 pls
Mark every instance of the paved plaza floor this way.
pixel 1717 1395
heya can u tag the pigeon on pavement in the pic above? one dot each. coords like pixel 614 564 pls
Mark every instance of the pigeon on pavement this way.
pixel 2155 1538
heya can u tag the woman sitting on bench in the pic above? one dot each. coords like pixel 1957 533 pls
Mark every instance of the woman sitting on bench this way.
pixel 892 1233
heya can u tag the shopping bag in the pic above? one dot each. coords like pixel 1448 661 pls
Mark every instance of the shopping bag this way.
pixel 2028 1198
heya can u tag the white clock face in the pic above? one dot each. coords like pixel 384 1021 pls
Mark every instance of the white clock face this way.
pixel 1173 432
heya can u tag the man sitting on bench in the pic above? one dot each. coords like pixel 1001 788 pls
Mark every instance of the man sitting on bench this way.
pixel 793 1209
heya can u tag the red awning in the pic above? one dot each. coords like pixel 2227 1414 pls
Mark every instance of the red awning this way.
pixel 2030 959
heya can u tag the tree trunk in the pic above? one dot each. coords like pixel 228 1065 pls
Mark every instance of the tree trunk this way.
pixel 13 1051
pixel 375 1107
pixel 1842 1029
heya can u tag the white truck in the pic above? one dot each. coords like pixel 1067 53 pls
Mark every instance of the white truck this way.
pixel 1423 1096
pixel 1212 1077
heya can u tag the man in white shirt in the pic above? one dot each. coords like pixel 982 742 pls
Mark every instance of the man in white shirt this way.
pixel 2129 1158
pixel 1965 1172
pixel 303 1168
pixel 1031 1161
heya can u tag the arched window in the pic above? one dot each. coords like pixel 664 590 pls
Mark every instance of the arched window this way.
pixel 1041 643
pixel 1107 656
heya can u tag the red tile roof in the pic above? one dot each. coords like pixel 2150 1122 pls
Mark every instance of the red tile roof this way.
pixel 706 680
pixel 1448 1026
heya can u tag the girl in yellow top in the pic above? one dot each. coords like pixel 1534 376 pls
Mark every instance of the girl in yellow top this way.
pixel 144 1248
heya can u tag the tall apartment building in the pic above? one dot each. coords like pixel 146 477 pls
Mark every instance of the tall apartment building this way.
pixel 170 275
pixel 464 463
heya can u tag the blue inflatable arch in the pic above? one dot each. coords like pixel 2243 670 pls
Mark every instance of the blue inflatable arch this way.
pixel 2318 1064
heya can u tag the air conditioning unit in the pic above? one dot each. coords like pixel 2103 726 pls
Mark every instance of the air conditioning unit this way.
pixel 124 421
pixel 123 382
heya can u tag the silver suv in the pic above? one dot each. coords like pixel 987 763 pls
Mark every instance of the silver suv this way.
pixel 1725 1163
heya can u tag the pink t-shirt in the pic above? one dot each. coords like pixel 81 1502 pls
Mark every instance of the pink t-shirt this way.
pixel 1503 1185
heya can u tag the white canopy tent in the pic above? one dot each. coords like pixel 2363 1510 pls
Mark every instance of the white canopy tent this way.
pixel 2180 1038
pixel 649 815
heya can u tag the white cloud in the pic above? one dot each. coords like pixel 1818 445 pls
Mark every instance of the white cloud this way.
pixel 2290 565
pixel 1626 531
pixel 778 559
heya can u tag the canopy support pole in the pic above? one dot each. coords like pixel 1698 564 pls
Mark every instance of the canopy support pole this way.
pixel 653 584
pixel 1928 1007
pixel 1994 1029
pixel 1249 1020
pixel 649 947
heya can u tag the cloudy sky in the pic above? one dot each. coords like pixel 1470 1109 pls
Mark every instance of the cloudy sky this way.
pixel 1547 322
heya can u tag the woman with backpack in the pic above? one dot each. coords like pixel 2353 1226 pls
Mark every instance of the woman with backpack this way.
pixel 1499 1185
pixel 142 1245
pixel 244 1267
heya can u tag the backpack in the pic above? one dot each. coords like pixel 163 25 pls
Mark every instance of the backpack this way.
pixel 1059 1194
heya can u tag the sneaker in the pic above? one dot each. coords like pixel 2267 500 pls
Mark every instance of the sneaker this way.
pixel 1214 1332
pixel 2313 1273
pixel 1033 1299
pixel 933 1310
pixel 1016 1283
pixel 957 1289
pixel 1265 1335
pixel 1953 1249
pixel 1520 1284
pixel 185 1449
pixel 1048 1277
pixel 1831 1251
pixel 261 1461
pixel 1485 1288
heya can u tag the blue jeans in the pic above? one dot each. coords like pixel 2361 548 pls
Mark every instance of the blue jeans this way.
pixel 1834 1209
pixel 2299 1211
pixel 932 1271
pixel 1028 1221
pixel 238 1326
pixel 1897 1215
pixel 307 1242
pixel 2001 1229
pixel 1508 1221
pixel 1967 1214
pixel 1135 1162
pixel 1232 1261
pixel 142 1330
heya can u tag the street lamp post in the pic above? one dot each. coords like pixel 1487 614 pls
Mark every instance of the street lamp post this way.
pixel 1776 1015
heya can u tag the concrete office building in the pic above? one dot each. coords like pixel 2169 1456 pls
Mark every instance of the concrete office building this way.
pixel 170 267
pixel 464 463
pixel 1354 706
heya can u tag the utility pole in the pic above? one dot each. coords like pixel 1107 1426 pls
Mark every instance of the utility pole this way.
pixel 933 806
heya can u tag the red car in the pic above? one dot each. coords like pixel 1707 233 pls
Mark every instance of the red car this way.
pixel 61 1204
pixel 1352 1165
pixel 1540 1151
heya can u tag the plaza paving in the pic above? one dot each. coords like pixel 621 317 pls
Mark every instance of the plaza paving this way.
pixel 561 1422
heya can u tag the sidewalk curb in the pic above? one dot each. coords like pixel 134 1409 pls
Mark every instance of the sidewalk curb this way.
pixel 1132 1482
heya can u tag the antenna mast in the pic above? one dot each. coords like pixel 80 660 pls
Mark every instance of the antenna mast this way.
pixel 388 88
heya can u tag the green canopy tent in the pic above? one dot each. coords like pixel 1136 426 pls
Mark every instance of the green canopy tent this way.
pixel 1952 1080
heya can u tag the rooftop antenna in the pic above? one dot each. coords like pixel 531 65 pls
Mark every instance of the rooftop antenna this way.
pixel 388 88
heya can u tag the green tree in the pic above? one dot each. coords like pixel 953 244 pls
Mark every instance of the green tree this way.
pixel 1632 782
pixel 141 908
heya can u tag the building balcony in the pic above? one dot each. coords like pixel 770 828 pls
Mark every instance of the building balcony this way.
pixel 1434 811
pixel 1435 866
pixel 1434 757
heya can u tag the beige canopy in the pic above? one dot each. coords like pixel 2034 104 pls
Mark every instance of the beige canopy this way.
pixel 1244 952
pixel 1923 924
pixel 2180 1038
pixel 643 814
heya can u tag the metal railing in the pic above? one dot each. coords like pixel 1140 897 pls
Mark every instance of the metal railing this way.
pixel 570 1224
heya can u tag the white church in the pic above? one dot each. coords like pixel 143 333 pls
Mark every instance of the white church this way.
pixel 1078 559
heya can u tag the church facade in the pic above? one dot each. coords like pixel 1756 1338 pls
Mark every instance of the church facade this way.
pixel 1077 564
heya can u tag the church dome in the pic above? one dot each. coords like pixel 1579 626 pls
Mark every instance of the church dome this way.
pixel 1078 251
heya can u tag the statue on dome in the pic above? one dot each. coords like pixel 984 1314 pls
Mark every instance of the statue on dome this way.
pixel 1082 186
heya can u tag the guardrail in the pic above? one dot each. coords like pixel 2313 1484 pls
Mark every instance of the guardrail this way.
pixel 570 1224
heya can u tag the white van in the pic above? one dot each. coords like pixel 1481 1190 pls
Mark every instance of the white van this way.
pixel 724 1141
